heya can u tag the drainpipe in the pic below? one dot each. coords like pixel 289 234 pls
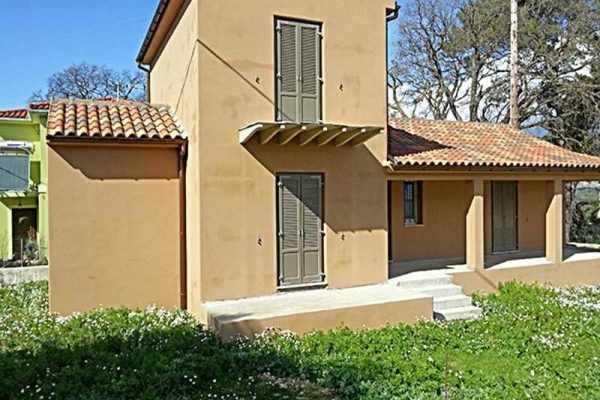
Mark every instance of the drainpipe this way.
pixel 182 227
pixel 393 14
pixel 147 71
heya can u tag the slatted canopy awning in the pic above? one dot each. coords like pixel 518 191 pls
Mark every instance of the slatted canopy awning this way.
pixel 319 134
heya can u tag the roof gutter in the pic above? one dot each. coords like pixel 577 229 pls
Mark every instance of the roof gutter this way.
pixel 147 71
pixel 158 14
pixel 393 14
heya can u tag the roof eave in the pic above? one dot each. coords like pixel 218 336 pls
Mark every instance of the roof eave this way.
pixel 393 167
pixel 81 140
pixel 156 20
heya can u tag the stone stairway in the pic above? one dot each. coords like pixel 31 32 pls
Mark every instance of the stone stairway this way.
pixel 449 301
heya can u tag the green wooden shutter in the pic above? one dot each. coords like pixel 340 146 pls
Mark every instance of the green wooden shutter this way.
pixel 287 67
pixel 298 72
pixel 510 216
pixel 312 228
pixel 289 229
pixel 504 216
pixel 310 55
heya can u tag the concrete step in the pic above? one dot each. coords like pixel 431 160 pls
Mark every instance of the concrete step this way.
pixel 449 302
pixel 464 313
pixel 422 281
pixel 440 290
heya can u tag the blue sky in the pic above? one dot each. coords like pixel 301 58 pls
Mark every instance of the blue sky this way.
pixel 40 37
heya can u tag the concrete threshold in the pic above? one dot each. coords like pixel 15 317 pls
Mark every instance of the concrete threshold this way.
pixel 321 309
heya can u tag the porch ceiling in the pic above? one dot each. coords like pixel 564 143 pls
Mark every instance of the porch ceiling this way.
pixel 302 134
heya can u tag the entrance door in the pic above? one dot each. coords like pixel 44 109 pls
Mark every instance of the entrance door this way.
pixel 300 228
pixel 504 216
pixel 24 228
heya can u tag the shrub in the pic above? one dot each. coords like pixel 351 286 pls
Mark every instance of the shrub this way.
pixel 532 343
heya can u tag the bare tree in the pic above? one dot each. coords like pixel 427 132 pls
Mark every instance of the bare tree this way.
pixel 453 58
pixel 446 56
pixel 85 81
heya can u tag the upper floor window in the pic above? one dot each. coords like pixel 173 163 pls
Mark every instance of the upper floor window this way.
pixel 14 172
pixel 413 203
pixel 298 71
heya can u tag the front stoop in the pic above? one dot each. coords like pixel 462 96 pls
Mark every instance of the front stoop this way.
pixel 364 307
pixel 449 301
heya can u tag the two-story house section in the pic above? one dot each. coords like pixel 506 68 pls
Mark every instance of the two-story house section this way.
pixel 285 105
pixel 23 184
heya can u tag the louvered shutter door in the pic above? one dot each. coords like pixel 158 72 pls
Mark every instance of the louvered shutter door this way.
pixel 504 219
pixel 510 217
pixel 310 55
pixel 289 229
pixel 287 45
pixel 497 217
pixel 312 227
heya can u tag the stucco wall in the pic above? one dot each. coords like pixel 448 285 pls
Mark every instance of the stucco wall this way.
pixel 174 80
pixel 114 227
pixel 443 232
pixel 237 183
pixel 569 273
pixel 233 203
pixel 14 276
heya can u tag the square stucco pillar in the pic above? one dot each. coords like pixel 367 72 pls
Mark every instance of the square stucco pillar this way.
pixel 554 224
pixel 475 230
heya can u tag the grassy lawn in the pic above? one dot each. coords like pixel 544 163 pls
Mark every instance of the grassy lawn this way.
pixel 532 343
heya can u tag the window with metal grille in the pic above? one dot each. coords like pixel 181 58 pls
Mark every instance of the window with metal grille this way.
pixel 413 203
pixel 298 71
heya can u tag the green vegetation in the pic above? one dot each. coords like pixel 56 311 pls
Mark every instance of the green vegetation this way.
pixel 531 343
pixel 585 227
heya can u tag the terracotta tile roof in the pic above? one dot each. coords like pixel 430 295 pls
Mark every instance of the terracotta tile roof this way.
pixel 112 119
pixel 419 142
pixel 40 106
pixel 22 113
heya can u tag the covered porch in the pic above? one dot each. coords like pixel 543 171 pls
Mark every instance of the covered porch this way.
pixel 484 201
pixel 446 221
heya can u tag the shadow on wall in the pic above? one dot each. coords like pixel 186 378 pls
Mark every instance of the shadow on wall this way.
pixel 355 191
pixel 121 161
pixel 252 85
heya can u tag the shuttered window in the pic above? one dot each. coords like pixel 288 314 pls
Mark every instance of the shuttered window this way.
pixel 298 71
pixel 14 172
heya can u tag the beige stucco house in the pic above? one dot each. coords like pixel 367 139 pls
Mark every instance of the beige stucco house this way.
pixel 301 204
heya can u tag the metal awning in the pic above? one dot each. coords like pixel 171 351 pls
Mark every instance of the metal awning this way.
pixel 319 134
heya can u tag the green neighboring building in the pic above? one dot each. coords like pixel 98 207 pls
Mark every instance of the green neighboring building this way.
pixel 23 185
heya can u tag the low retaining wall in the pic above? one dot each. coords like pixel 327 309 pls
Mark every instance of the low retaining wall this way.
pixel 13 276
pixel 566 273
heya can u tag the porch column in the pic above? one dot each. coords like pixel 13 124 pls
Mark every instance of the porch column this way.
pixel 475 245
pixel 554 224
